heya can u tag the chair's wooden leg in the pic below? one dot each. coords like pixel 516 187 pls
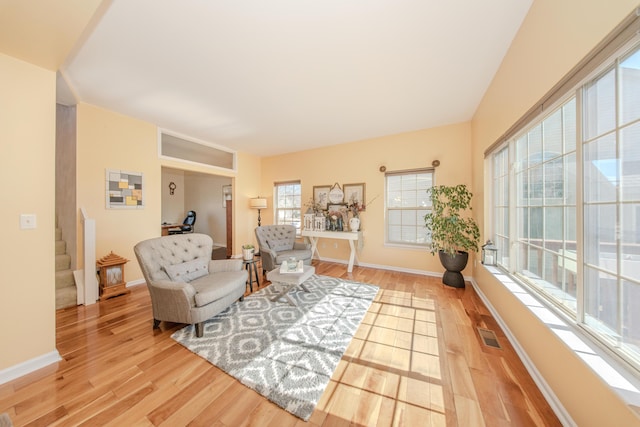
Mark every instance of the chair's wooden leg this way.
pixel 199 329
pixel 156 324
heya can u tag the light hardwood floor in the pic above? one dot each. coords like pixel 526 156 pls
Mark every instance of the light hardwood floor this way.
pixel 416 360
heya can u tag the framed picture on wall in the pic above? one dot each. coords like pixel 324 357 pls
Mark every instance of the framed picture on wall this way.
pixel 355 193
pixel 124 189
pixel 321 195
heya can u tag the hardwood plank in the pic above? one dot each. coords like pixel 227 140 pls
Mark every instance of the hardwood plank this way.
pixel 468 412
pixel 416 359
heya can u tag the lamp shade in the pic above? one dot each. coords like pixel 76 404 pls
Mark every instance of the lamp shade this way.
pixel 258 203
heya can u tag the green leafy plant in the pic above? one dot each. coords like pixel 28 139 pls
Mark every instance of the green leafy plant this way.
pixel 248 246
pixel 450 230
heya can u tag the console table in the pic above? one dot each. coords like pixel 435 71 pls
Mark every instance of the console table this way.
pixel 352 237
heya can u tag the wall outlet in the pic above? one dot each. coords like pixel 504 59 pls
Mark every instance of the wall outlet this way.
pixel 27 221
pixel 335 246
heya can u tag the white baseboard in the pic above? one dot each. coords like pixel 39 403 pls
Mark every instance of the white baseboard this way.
pixel 29 366
pixel 136 282
pixel 390 267
pixel 542 384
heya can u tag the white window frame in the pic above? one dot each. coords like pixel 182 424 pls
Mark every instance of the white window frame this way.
pixel 292 207
pixel 396 215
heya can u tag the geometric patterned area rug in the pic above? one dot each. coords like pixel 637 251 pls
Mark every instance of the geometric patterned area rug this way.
pixel 286 353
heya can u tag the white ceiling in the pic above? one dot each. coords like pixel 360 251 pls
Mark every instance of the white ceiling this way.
pixel 270 77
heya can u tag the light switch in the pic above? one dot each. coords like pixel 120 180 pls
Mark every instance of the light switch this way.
pixel 27 221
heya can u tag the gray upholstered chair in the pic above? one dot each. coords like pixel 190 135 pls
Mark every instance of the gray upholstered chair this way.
pixel 277 243
pixel 185 285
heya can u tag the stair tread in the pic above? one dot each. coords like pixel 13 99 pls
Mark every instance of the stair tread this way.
pixel 61 247
pixel 66 291
pixel 64 279
pixel 66 297
pixel 63 262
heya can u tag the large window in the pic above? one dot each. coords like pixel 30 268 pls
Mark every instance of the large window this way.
pixel 407 203
pixel 545 203
pixel 288 202
pixel 566 204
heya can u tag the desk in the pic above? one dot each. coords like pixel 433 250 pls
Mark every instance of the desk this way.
pixel 166 227
pixel 352 237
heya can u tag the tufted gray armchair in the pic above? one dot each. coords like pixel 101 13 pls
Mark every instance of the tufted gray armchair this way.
pixel 185 285
pixel 277 243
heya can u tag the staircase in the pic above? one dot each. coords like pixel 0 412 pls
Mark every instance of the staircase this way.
pixel 65 284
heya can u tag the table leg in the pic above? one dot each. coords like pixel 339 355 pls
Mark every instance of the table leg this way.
pixel 250 278
pixel 285 288
pixel 314 246
pixel 284 291
pixel 352 256
pixel 255 272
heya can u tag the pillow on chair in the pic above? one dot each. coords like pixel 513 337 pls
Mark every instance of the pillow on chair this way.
pixel 188 271
pixel 280 245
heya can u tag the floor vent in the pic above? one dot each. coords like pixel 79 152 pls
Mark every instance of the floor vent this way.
pixel 489 338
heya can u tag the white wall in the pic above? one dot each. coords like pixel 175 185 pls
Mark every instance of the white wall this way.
pixel 203 194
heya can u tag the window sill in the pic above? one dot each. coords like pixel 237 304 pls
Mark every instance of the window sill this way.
pixel 407 246
pixel 621 378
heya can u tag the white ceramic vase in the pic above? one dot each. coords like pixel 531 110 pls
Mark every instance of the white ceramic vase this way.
pixel 247 254
pixel 354 224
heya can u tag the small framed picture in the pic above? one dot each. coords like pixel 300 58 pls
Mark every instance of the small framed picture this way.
pixel 355 193
pixel 321 195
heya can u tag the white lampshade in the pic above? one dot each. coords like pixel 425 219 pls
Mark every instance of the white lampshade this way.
pixel 258 203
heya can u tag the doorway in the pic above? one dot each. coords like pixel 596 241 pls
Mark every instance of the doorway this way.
pixel 203 193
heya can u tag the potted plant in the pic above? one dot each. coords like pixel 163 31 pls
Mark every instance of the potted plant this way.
pixel 247 252
pixel 453 235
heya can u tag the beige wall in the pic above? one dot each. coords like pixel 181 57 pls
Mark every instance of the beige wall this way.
pixel 360 162
pixel 27 173
pixel 248 184
pixel 554 37
pixel 106 140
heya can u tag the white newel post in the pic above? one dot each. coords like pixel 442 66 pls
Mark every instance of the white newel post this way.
pixel 90 291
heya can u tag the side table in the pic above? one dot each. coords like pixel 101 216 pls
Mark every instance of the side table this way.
pixel 250 266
